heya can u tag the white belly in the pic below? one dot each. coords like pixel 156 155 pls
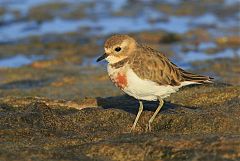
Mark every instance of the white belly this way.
pixel 144 89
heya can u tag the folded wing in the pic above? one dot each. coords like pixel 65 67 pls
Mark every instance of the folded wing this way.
pixel 152 65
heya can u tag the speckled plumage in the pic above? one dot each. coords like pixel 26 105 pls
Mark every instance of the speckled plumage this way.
pixel 144 73
pixel 146 64
pixel 152 65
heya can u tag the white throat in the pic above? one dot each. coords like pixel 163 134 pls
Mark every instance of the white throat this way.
pixel 113 59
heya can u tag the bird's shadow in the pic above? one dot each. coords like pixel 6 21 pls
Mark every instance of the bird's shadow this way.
pixel 129 104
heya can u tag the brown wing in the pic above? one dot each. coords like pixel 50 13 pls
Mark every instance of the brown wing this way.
pixel 152 65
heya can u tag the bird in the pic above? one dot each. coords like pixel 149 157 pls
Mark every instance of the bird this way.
pixel 144 73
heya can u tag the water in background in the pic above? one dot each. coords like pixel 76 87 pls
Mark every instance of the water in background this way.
pixel 21 19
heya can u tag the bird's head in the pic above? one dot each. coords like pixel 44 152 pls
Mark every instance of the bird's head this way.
pixel 117 48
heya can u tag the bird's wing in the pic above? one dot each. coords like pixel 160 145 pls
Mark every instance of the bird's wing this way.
pixel 152 65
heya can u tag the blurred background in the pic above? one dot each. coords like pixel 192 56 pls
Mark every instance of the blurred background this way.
pixel 48 47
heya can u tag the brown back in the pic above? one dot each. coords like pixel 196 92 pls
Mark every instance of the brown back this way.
pixel 150 64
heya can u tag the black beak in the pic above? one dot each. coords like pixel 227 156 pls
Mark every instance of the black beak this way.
pixel 102 57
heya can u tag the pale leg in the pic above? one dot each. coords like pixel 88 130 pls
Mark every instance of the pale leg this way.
pixel 161 102
pixel 140 109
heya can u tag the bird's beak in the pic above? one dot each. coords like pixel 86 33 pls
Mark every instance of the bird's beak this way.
pixel 102 57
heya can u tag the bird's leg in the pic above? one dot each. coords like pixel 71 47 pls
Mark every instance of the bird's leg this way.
pixel 161 102
pixel 140 109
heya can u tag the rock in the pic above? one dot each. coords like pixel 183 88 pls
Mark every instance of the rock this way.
pixel 228 41
pixel 196 123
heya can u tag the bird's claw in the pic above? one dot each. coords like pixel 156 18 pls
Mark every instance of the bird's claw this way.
pixel 132 129
pixel 148 127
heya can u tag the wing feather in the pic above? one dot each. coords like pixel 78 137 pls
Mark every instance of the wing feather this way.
pixel 150 64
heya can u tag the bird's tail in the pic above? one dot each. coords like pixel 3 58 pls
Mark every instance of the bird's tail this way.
pixel 187 76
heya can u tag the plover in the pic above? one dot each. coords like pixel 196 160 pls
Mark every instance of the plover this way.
pixel 144 73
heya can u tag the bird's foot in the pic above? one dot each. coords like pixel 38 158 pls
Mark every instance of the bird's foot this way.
pixel 132 129
pixel 148 127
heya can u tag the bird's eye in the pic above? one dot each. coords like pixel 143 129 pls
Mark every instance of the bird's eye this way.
pixel 117 49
